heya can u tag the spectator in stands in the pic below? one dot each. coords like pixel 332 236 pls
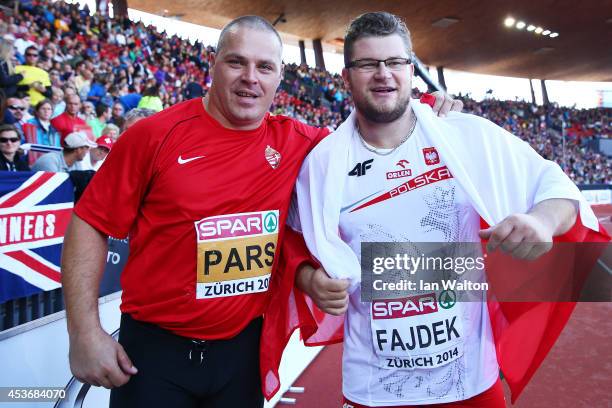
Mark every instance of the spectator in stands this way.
pixel 151 100
pixel 117 114
pixel 10 159
pixel 57 98
pixel 135 115
pixel 97 124
pixel 98 89
pixel 46 134
pixel 25 100
pixel 34 77
pixel 69 89
pixel 83 80
pixel 111 130
pixel 14 114
pixel 193 90
pixel 22 41
pixel 131 99
pixel 14 110
pixel 8 78
pixel 74 149
pixel 96 155
pixel 88 111
pixel 69 121
pixel 55 78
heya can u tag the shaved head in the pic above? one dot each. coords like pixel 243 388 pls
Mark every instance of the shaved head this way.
pixel 250 22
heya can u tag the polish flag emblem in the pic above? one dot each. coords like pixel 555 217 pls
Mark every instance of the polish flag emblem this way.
pixel 273 157
pixel 431 156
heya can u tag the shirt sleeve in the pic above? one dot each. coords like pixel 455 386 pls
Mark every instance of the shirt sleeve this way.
pixel 321 134
pixel 47 162
pixel 112 200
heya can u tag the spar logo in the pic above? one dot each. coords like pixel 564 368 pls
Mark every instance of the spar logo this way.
pixel 271 222
pixel 404 307
pixel 235 253
pixel 448 298
pixel 404 172
pixel 237 225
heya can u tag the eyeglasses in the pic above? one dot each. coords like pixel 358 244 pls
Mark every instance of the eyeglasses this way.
pixel 9 139
pixel 15 107
pixel 371 64
pixel 31 55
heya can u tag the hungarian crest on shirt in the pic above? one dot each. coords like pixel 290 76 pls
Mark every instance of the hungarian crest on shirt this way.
pixel 273 157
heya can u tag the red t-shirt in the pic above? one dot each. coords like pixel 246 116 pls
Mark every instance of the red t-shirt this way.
pixel 204 208
pixel 66 124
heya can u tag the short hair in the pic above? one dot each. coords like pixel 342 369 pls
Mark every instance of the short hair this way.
pixel 252 22
pixel 56 90
pixel 375 24
pixel 8 128
pixel 101 109
pixel 109 127
pixel 151 91
pixel 13 97
pixel 42 103
pixel 68 96
pixel 101 78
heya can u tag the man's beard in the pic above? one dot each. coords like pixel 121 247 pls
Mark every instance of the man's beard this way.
pixel 373 114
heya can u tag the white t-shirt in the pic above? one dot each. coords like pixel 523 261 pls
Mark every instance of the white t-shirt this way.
pixel 446 354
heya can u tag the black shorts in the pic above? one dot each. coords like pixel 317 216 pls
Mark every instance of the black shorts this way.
pixel 177 372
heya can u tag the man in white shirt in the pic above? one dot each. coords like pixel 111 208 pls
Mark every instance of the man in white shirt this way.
pixel 96 155
pixel 396 187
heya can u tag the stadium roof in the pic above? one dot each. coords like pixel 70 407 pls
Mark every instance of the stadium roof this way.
pixel 467 35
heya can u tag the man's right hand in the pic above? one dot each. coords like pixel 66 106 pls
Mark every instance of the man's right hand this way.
pixel 330 295
pixel 97 359
pixel 445 104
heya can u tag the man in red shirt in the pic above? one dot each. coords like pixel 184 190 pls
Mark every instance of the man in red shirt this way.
pixel 68 121
pixel 204 195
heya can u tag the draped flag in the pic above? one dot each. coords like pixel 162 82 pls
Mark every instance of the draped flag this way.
pixel 35 209
pixel 500 174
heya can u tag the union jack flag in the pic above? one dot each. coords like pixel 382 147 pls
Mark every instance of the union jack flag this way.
pixel 35 209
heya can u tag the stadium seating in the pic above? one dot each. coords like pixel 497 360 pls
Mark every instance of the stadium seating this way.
pixel 106 60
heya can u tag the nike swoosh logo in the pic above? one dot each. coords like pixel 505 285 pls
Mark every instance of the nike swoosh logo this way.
pixel 183 161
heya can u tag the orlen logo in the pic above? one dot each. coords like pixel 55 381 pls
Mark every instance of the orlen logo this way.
pixel 405 172
pixel 405 307
pixel 237 225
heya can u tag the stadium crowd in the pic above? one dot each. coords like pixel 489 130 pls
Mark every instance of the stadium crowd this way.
pixel 63 71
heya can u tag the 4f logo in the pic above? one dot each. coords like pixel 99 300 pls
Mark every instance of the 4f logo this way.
pixel 361 168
